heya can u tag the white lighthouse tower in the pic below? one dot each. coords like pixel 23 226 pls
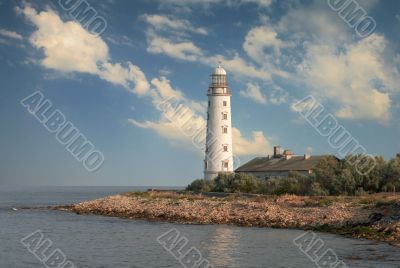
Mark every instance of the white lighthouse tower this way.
pixel 219 157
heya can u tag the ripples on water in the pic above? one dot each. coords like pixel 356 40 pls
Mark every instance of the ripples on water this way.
pixel 94 241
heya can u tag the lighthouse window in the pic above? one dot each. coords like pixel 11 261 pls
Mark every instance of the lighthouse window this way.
pixel 224 130
pixel 224 116
pixel 226 164
pixel 225 148
pixel 225 104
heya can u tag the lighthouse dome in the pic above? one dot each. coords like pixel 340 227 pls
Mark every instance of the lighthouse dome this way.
pixel 219 71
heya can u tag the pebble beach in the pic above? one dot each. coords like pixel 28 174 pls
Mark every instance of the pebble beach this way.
pixel 373 217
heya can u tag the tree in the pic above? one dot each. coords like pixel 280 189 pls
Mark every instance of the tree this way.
pixel 201 185
pixel 331 176
pixel 223 182
pixel 245 183
pixel 304 182
pixel 345 183
pixel 271 185
pixel 326 173
pixel 373 181
pixel 317 190
pixel 392 181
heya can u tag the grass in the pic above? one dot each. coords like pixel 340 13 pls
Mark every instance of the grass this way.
pixel 136 194
pixel 354 231
pixel 368 201
pixel 326 202
pixel 385 203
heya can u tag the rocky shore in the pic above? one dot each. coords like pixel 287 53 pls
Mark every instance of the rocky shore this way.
pixel 375 217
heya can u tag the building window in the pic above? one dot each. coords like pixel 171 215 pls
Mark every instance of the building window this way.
pixel 225 130
pixel 224 116
pixel 226 164
pixel 225 103
pixel 205 164
pixel 225 147
pixel 209 103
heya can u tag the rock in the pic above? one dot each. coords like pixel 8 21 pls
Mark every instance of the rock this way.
pixel 375 217
pixel 395 217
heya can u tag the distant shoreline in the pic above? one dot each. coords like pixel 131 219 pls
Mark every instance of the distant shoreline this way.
pixel 374 217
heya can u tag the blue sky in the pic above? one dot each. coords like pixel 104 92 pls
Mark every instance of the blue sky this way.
pixel 275 53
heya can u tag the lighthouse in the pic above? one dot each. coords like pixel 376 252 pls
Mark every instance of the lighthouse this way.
pixel 219 156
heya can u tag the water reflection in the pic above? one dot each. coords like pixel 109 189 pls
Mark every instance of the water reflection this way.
pixel 221 247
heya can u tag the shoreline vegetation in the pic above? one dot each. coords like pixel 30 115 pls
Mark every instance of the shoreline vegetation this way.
pixel 330 177
pixel 375 217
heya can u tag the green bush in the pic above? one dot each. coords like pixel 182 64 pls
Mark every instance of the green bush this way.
pixel 201 185
pixel 330 177
pixel 228 183
pixel 317 190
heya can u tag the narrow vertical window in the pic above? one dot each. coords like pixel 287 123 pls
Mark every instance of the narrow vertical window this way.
pixel 226 164
pixel 225 147
pixel 224 130
pixel 225 103
pixel 224 116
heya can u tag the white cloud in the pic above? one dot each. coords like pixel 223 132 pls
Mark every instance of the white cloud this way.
pixel 258 145
pixel 207 3
pixel 356 79
pixel 70 48
pixel 238 66
pixel 275 95
pixel 179 26
pixel 253 92
pixel 263 3
pixel 278 95
pixel 130 77
pixel 121 40
pixel 165 90
pixel 11 34
pixel 260 38
pixel 179 50
pixel 164 129
pixel 167 35
pixel 164 38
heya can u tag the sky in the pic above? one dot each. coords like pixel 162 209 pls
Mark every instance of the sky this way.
pixel 110 83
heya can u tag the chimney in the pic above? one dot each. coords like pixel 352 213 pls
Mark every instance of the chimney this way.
pixel 277 151
pixel 288 154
